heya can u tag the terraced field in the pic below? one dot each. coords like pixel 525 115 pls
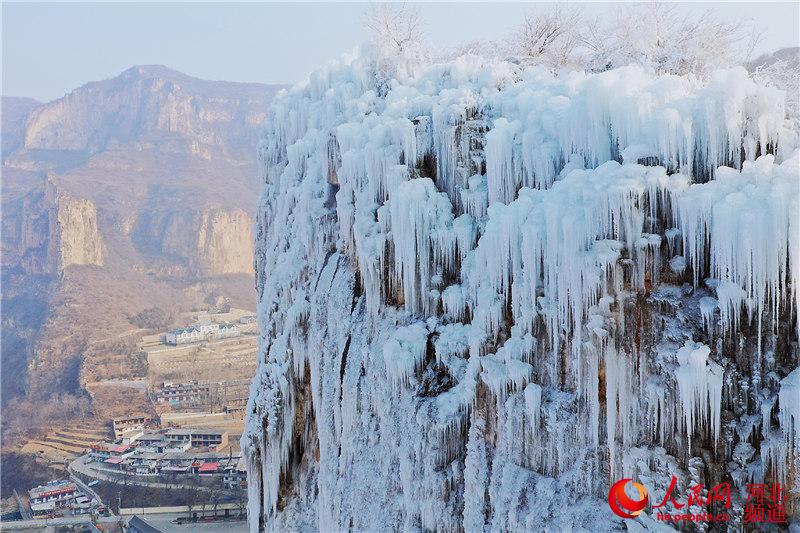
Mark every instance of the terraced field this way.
pixel 67 443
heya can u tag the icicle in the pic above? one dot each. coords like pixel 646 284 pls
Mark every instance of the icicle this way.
pixel 417 209
pixel 700 387
pixel 351 286
pixel 404 352
pixel 749 220
pixel 501 172
pixel 619 407
pixel 789 411
pixel 475 476
pixel 766 416
pixel 533 403
pixel 454 302
pixel 708 306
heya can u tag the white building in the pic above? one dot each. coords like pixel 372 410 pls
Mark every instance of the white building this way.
pixel 201 332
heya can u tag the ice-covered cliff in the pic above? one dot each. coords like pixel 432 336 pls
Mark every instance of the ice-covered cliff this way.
pixel 487 293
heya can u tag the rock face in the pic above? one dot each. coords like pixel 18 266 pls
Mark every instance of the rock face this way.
pixel 146 104
pixel 27 232
pixel 161 159
pixel 47 231
pixel 209 242
pixel 77 240
pixel 225 242
pixel 487 294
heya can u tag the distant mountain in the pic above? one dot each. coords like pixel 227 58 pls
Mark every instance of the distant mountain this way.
pixel 126 194
pixel 15 113
pixel 790 55
pixel 152 104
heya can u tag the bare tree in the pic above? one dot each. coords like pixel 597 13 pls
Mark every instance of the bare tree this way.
pixel 663 37
pixel 397 36
pixel 396 29
pixel 547 38
pixel 191 493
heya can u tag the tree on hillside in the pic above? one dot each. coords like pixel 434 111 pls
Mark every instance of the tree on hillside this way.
pixel 397 37
pixel 548 38
pixel 153 318
pixel 663 37
pixel 395 29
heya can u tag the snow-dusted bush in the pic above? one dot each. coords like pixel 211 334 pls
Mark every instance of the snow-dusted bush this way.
pixel 659 36
pixel 662 37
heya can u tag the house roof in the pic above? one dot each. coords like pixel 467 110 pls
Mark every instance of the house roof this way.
pixel 195 431
pixel 52 488
pixel 181 331
pixel 44 506
pixel 128 418
pixel 175 468
pixel 147 456
pixel 179 431
pixel 137 524
pixel 209 467
pixel 150 437
pixel 114 460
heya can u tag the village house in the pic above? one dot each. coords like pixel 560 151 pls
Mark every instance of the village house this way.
pixel 173 452
pixel 201 332
pixel 102 451
pixel 151 442
pixel 45 499
pixel 235 476
pixel 227 330
pixel 198 438
pixel 127 425
pixel 189 393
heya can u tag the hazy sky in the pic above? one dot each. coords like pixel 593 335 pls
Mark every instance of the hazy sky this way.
pixel 50 49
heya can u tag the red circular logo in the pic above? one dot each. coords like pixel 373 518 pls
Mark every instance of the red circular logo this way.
pixel 624 506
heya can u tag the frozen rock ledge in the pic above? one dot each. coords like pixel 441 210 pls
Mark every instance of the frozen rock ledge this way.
pixel 487 293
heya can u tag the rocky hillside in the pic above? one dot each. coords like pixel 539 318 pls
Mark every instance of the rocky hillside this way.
pixel 125 194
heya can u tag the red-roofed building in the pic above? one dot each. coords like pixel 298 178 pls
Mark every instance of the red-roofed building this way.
pixel 116 463
pixel 100 451
pixel 45 499
pixel 208 469
pixel 119 449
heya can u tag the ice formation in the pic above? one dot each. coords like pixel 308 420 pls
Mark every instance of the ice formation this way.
pixel 486 293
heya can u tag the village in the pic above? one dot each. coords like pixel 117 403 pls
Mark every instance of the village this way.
pixel 171 456
pixel 185 439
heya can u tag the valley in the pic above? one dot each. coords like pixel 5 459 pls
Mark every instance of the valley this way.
pixel 127 204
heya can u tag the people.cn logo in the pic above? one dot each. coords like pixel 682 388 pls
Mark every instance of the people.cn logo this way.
pixel 624 506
